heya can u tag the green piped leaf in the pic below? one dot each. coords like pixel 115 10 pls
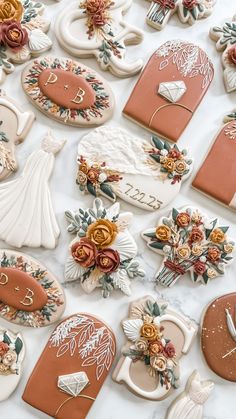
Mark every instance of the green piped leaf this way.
pixel 158 143
pixel 91 189
pixel 107 189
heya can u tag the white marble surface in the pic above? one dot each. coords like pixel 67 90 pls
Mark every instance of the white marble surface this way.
pixel 115 401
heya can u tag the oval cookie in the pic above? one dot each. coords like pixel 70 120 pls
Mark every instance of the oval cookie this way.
pixel 67 91
pixel 29 294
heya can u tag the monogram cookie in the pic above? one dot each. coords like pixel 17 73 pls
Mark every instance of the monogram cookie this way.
pixel 114 163
pixel 72 368
pixel 30 295
pixel 68 92
pixel 190 242
pixel 157 338
pixel 96 28
pixel 14 127
pixel 170 89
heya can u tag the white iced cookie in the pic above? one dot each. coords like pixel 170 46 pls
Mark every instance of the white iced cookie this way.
pixel 89 28
pixel 114 163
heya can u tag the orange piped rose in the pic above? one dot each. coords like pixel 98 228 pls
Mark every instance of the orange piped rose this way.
pixel 149 331
pixel 183 219
pixel 163 233
pixel 10 10
pixel 102 233
pixel 217 236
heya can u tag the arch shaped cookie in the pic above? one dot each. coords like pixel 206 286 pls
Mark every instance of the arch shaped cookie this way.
pixel 88 29
pixel 158 336
pixel 30 295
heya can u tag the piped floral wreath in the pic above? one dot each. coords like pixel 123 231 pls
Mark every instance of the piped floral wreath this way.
pixel 9 354
pixel 190 242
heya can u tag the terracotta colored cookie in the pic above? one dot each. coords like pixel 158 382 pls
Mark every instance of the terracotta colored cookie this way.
pixel 190 242
pixel 89 28
pixel 159 336
pixel 67 91
pixel 72 368
pixel 218 339
pixel 174 85
pixel 145 174
pixel 29 294
pixel 216 177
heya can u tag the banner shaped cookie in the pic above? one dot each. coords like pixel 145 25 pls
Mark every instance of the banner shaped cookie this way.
pixel 72 368
pixel 170 88
pixel 190 242
pixel 30 295
pixel 216 177
pixel 12 353
pixel 218 339
pixel 158 337
pixel 67 91
pixel 14 126
pixel 114 163
pixel 97 29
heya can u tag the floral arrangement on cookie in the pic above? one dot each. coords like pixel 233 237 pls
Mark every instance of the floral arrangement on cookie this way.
pixel 96 178
pixel 9 354
pixel 190 242
pixel 102 255
pixel 149 344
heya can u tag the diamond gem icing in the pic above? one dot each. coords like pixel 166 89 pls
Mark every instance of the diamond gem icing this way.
pixel 73 384
pixel 173 90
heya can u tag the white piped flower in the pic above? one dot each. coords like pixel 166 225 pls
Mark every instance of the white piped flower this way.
pixel 203 259
pixel 102 177
pixel 164 152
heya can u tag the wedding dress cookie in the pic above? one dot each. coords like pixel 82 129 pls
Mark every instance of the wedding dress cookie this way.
pixel 30 295
pixel 189 11
pixel 26 213
pixel 190 242
pixel 189 404
pixel 114 163
pixel 67 91
pixel 158 336
pixel 72 368
pixel 102 254
pixel 14 127
pixel 12 353
pixel 22 33
pixel 216 177
pixel 175 80
pixel 96 28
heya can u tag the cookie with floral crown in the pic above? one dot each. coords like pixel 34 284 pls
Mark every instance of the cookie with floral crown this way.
pixel 102 254
pixel 157 338
pixel 216 176
pixel 175 80
pixel 12 353
pixel 72 368
pixel 114 163
pixel 190 242
pixel 68 92
pixel 189 11
pixel 30 295
pixel 96 28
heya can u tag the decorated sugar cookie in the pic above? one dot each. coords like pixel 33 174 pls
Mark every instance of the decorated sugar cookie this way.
pixel 189 11
pixel 175 80
pixel 88 28
pixel 26 213
pixel 157 337
pixel 68 92
pixel 12 353
pixel 30 295
pixel 103 252
pixel 225 38
pixel 14 127
pixel 216 176
pixel 190 242
pixel 72 368
pixel 218 339
pixel 114 163
pixel 189 404
pixel 23 34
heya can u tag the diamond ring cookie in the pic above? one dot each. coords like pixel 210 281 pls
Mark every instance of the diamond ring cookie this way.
pixel 114 163
pixel 68 92
pixel 190 242
pixel 72 368
pixel 175 80
pixel 158 336
pixel 102 255
pixel 23 34
pixel 88 28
